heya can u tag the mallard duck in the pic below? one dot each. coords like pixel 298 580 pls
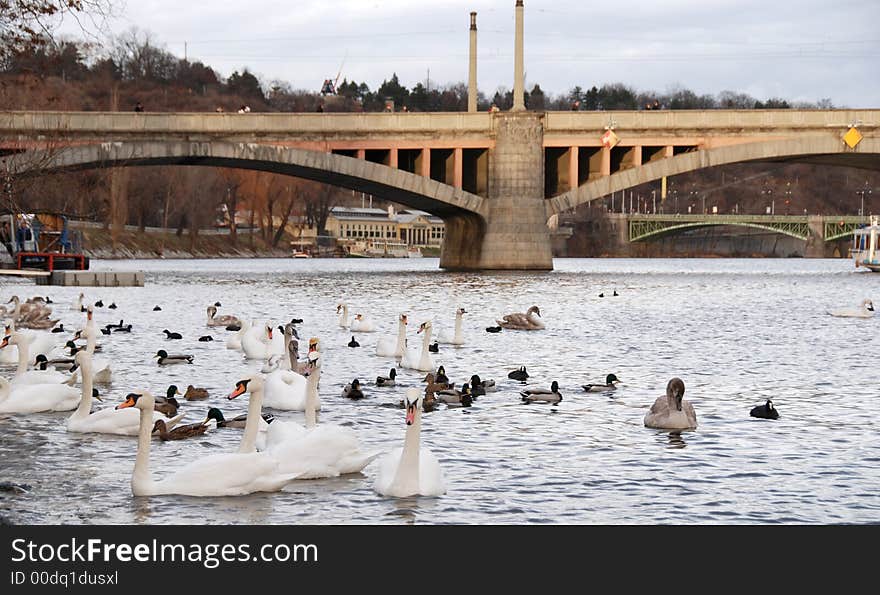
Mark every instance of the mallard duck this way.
pixel 520 374
pixel 481 387
pixel 170 335
pixel 765 411
pixel 433 386
pixel 353 343
pixel 64 364
pixel 352 390
pixel 441 376
pixel 167 360
pixel 238 421
pixel 530 321
pixel 671 411
pixel 180 432
pixel 168 405
pixel 456 398
pixel 74 347
pixel 542 395
pixel 601 388
pixel 387 380
pixel 195 394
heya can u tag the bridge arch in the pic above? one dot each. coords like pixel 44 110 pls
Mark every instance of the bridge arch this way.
pixel 829 150
pixel 645 230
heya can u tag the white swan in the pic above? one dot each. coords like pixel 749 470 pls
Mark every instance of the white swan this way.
pixel 234 342
pixel 41 343
pixel 102 373
pixel 262 343
pixel 388 347
pixel 864 310
pixel 412 470
pixel 317 451
pixel 35 398
pixel 453 338
pixel 285 389
pixel 22 374
pixel 671 411
pixel 110 420
pixel 78 304
pixel 360 324
pixel 414 360
pixel 226 474
pixel 342 310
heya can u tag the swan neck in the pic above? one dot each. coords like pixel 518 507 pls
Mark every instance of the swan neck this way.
pixel 408 470
pixel 23 349
pixel 458 327
pixel 141 475
pixel 401 338
pixel 312 398
pixel 426 341
pixel 252 425
pixel 85 402
pixel 90 337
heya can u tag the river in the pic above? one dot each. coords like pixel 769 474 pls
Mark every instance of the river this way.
pixel 737 331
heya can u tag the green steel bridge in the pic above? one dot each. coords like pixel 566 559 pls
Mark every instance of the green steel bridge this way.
pixel 831 227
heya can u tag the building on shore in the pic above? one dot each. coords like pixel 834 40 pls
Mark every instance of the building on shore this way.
pixel 411 227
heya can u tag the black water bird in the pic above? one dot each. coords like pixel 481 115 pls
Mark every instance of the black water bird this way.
pixel 765 411
pixel 353 343
pixel 170 335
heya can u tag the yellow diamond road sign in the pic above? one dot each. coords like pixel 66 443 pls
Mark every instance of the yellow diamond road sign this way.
pixel 852 137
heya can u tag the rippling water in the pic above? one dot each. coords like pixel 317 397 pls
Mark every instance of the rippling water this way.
pixel 736 331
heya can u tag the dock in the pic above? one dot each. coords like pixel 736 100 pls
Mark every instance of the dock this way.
pixel 80 278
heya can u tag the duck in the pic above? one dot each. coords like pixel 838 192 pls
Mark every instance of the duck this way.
pixel 195 394
pixel 124 422
pixel 352 390
pixel 441 376
pixel 433 386
pixel 105 331
pixel 168 404
pixel 601 295
pixel 360 324
pixel 519 374
pixel 412 470
pixel 765 411
pixel 481 387
pixel 615 294
pixel 112 306
pixel 161 430
pixel 222 320
pixel 59 329
pixel 233 327
pixel 168 360
pixel 530 321
pixel 238 421
pixel 171 335
pixel 123 329
pixel 387 380
pixel 206 339
pixel 224 474
pixel 493 329
pixel 390 347
pixel 63 364
pixel 865 309
pixel 342 310
pixel 156 308
pixel 610 379
pixel 353 343
pixel 452 397
pixel 542 395
pixel 434 347
pixel 671 411
pixel 99 304
pixel 466 399
pixel 415 361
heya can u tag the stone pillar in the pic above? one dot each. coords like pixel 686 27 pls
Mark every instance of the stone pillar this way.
pixel 472 70
pixel 518 66
pixel 514 234
pixel 573 167
pixel 457 167
pixel 815 246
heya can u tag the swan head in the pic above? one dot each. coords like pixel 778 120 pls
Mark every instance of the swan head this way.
pixel 461 311
pixel 358 316
pixel 402 318
pixel 314 345
pixel 425 326
pixel 89 312
pixel 869 305
pixel 13 300
pixel 249 383
pixel 143 401
pixel 675 392
pixel 269 331
pixel 411 402
pixel 611 378
pixel 212 311
pixel 340 307
pixel 534 309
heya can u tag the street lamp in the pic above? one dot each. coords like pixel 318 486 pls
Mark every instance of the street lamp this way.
pixel 862 193
pixel 768 193
pixel 787 196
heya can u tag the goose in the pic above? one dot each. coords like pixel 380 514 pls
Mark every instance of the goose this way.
pixel 434 347
pixel 360 324
pixel 342 310
pixel 59 329
pixel 222 320
pixel 195 394
pixel 160 429
pixel 542 395
pixel 441 376
pixel 412 470
pixel 610 379
pixel 168 404
pixel 78 304
pixel 206 339
pixel 530 321
pixel 453 338
pixel 238 421
pixel 864 310
pixel 36 398
pixel 124 422
pixel 261 343
pixel 225 474
pixel 234 342
pixel 387 380
pixel 388 347
pixel 519 374
pixel 353 342
pixel 168 360
pixel 671 411
pixel 411 358
pixel 170 335
pixel 112 306
pixel 765 411
pixel 493 329
pixel 352 390
pixel 481 387
pixel 316 450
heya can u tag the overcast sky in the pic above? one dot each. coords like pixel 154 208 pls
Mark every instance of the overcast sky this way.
pixel 799 50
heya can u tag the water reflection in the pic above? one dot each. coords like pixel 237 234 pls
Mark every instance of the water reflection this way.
pixel 676 440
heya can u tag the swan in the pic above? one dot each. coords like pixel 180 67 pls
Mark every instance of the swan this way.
pixel 411 358
pixel 222 320
pixel 22 374
pixel 864 310
pixel 542 395
pixel 234 342
pixel 103 373
pixel 765 411
pixel 412 470
pixel 105 421
pixel 342 310
pixel 36 398
pixel 78 304
pixel 316 450
pixel 456 337
pixel 388 347
pixel 226 474
pixel 360 324
pixel 530 321
pixel 601 388
pixel 262 343
pixel 285 389
pixel 40 343
pixel 671 411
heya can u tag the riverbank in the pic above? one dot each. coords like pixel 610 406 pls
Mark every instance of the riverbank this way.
pixel 99 243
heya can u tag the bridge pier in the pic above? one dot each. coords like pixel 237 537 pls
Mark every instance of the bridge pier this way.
pixel 815 246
